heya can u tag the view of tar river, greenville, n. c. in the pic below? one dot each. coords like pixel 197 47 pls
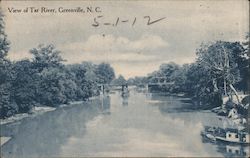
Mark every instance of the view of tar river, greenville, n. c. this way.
pixel 143 124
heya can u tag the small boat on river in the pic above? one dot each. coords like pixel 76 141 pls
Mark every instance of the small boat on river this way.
pixel 125 91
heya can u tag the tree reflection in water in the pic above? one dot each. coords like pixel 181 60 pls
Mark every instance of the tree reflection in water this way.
pixel 38 132
pixel 105 104
pixel 125 100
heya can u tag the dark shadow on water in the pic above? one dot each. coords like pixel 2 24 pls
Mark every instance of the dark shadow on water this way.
pixel 42 136
pixel 179 108
pixel 174 104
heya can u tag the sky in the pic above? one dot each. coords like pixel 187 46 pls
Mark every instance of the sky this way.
pixel 132 49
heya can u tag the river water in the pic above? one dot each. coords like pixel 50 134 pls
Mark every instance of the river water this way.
pixel 140 125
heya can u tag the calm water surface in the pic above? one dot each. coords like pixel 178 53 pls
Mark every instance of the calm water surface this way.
pixel 140 125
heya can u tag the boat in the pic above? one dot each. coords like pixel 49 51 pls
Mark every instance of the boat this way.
pixel 209 133
pixel 234 136
pixel 228 135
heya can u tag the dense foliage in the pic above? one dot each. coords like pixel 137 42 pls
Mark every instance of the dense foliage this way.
pixel 120 80
pixel 45 79
pixel 221 69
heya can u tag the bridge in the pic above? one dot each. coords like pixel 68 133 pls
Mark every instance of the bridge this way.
pixel 157 84
pixel 161 81
pixel 160 84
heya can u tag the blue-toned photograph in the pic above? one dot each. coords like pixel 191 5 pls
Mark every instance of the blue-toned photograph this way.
pixel 133 78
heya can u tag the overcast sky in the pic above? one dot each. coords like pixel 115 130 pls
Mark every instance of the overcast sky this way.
pixel 132 50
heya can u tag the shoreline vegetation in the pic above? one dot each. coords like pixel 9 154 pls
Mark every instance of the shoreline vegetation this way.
pixel 221 70
pixel 38 110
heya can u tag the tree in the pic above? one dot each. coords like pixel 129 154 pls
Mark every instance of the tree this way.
pixel 51 90
pixel 7 106
pixel 24 85
pixel 45 56
pixel 50 76
pixel 4 48
pixel 105 73
pixel 168 69
pixel 86 87
pixel 119 81
pixel 4 43
pixel 90 69
pixel 200 88
pixel 243 60
pixel 220 61
pixel 168 74
pixel 179 76
pixel 138 81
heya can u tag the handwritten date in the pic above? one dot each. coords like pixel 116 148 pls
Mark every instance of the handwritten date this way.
pixel 98 21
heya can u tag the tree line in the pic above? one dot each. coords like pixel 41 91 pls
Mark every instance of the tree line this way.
pixel 221 69
pixel 45 79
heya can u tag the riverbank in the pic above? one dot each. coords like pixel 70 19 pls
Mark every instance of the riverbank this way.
pixel 18 117
pixel 34 112
pixel 37 110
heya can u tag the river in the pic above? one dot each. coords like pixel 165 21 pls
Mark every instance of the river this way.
pixel 140 125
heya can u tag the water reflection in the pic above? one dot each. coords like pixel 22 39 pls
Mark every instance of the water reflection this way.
pixel 43 135
pixel 125 95
pixel 148 126
pixel 125 100
pixel 105 104
pixel 173 104
pixel 233 150
pixel 229 150
pixel 138 130
pixel 189 113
